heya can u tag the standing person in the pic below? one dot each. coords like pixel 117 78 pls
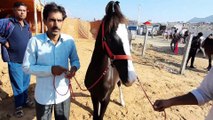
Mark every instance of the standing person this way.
pixel 14 36
pixel 174 41
pixel 199 96
pixel 195 45
pixel 47 58
pixel 186 34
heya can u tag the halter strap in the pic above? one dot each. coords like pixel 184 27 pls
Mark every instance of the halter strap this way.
pixel 108 50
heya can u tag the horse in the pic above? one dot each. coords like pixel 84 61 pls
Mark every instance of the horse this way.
pixel 208 47
pixel 111 61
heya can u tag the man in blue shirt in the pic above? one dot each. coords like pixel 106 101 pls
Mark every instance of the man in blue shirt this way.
pixel 47 57
pixel 14 36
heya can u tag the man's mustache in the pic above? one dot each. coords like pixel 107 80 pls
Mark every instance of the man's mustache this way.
pixel 56 28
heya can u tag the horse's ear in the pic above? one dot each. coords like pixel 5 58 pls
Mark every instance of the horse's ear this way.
pixel 117 2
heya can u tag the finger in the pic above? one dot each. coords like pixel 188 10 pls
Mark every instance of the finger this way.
pixel 157 103
pixel 63 69
pixel 73 73
pixel 68 77
pixel 158 108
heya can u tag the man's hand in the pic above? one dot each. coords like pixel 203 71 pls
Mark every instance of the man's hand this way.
pixel 160 105
pixel 186 99
pixel 71 73
pixel 58 70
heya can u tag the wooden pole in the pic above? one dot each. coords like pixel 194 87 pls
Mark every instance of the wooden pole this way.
pixel 35 17
pixel 144 43
pixel 42 23
pixel 186 54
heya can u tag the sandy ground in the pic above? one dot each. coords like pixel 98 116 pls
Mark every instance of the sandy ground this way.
pixel 158 71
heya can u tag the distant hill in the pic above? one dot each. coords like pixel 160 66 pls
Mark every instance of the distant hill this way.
pixel 208 19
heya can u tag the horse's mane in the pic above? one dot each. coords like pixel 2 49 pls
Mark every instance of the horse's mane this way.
pixel 113 16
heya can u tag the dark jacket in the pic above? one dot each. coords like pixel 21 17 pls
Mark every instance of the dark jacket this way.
pixel 6 28
pixel 195 43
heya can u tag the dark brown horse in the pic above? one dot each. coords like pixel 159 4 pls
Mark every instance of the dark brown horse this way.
pixel 208 47
pixel 111 60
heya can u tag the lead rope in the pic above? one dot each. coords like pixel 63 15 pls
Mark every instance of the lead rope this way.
pixel 106 69
pixel 148 98
pixel 70 85
pixel 69 88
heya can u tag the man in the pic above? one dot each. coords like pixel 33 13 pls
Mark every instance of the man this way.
pixel 47 56
pixel 14 36
pixel 195 45
pixel 199 96
pixel 175 40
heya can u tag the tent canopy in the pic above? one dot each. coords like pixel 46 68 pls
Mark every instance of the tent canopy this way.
pixel 147 23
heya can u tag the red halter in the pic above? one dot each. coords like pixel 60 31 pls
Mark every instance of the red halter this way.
pixel 111 55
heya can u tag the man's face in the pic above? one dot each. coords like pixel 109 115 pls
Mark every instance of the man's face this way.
pixel 54 23
pixel 20 12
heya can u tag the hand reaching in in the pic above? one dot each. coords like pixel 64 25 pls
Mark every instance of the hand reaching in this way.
pixel 160 105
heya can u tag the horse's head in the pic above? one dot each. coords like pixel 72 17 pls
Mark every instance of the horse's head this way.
pixel 116 43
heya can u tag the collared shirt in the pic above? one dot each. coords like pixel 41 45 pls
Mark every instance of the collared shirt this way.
pixel 204 92
pixel 41 54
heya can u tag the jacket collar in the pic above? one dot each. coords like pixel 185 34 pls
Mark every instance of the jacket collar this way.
pixel 14 20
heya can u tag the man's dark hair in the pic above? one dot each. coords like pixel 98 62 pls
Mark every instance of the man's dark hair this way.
pixel 18 4
pixel 53 7
pixel 200 34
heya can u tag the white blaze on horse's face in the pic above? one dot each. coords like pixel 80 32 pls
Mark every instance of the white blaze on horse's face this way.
pixel 123 34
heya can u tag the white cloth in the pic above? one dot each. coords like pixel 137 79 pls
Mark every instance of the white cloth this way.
pixel 204 93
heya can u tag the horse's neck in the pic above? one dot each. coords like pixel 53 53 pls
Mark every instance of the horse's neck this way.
pixel 99 58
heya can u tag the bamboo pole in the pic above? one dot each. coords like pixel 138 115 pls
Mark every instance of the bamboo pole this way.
pixel 35 17
pixel 42 22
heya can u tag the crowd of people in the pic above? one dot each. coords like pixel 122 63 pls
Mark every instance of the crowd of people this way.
pixel 38 55
pixel 197 43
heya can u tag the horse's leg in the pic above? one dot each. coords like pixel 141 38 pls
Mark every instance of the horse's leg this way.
pixel 104 105
pixel 121 94
pixel 210 62
pixel 203 51
pixel 96 105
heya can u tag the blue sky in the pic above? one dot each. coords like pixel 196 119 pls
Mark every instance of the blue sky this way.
pixel 142 10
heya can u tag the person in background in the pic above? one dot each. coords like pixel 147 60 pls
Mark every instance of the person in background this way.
pixel 14 36
pixel 186 34
pixel 47 57
pixel 199 96
pixel 195 45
